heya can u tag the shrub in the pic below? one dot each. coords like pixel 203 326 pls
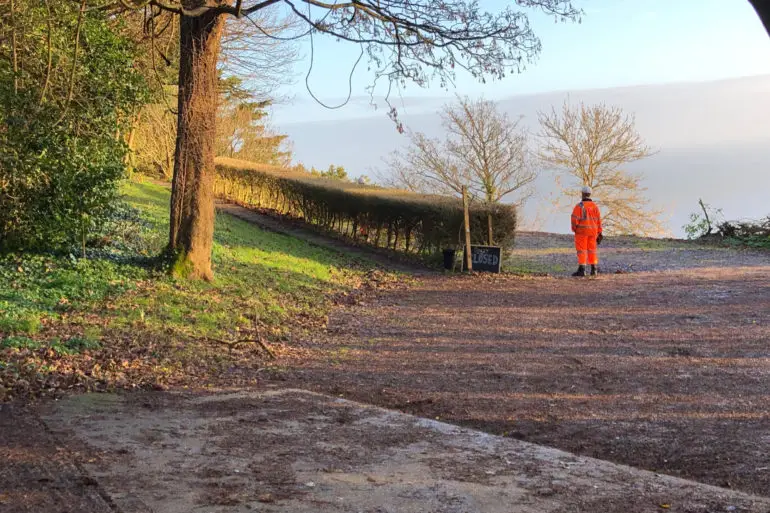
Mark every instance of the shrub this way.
pixel 747 233
pixel 74 345
pixel 20 322
pixel 702 223
pixel 60 159
pixel 390 218
pixel 19 343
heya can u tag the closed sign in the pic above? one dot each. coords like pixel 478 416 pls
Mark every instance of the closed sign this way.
pixel 485 258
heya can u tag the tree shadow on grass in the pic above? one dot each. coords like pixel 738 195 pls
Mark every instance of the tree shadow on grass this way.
pixel 261 278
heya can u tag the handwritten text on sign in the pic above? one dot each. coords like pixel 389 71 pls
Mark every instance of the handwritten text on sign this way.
pixel 485 258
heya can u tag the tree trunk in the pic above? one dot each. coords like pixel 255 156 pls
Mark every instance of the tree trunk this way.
pixel 192 198
pixel 130 159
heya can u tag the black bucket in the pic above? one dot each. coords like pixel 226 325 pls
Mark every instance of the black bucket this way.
pixel 449 259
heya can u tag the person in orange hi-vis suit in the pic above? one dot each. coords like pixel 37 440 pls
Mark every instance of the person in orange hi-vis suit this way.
pixel 587 227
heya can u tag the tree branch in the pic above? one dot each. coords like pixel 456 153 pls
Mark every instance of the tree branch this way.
pixel 50 54
pixel 762 7
pixel 71 92
pixel 14 58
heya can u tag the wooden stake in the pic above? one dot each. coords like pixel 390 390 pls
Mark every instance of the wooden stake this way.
pixel 490 240
pixel 468 260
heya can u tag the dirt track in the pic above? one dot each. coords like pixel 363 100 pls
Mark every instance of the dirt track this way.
pixel 666 371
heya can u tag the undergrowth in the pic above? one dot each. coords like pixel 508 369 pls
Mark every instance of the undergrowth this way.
pixel 117 319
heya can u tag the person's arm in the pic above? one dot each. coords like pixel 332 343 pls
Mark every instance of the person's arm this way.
pixel 576 213
pixel 599 219
pixel 600 237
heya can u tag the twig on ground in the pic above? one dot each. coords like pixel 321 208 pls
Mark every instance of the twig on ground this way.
pixel 264 346
pixel 233 344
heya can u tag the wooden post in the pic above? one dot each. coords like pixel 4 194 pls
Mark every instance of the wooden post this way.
pixel 468 260
pixel 490 240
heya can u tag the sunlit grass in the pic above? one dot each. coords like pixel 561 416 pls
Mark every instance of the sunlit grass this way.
pixel 258 274
pixel 118 318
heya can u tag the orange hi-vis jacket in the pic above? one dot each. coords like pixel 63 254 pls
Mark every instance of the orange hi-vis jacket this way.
pixel 586 219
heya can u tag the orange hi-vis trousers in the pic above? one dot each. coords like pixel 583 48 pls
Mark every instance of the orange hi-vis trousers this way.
pixel 586 249
pixel 587 225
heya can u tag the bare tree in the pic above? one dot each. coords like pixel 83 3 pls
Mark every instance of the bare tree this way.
pixel 260 50
pixel 590 144
pixel 484 150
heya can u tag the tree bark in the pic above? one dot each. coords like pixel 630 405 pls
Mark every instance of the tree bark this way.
pixel 192 198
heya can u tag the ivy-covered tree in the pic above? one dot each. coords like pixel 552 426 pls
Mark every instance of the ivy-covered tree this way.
pixel 249 51
pixel 242 131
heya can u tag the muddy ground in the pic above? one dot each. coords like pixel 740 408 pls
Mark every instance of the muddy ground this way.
pixel 665 371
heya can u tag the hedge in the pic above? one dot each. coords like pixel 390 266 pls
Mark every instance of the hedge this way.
pixel 390 218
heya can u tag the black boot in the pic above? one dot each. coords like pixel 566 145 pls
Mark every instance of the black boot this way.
pixel 581 271
pixel 594 270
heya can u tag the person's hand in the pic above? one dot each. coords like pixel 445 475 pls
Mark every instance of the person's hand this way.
pixel 599 238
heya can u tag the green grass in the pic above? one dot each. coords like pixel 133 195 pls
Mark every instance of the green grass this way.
pixel 656 244
pixel 257 274
pixel 125 307
pixel 520 265
pixel 650 244
pixel 754 241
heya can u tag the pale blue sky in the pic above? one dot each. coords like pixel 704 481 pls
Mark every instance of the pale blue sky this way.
pixel 618 43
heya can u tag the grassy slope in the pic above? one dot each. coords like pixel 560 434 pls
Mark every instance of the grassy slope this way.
pixel 257 272
pixel 103 322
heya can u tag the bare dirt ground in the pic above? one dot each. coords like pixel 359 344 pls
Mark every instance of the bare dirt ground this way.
pixel 293 451
pixel 40 474
pixel 664 366
pixel 666 371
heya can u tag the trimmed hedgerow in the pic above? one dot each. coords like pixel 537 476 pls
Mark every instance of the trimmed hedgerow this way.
pixel 389 218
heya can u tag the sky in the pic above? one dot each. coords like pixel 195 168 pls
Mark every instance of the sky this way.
pixel 695 73
pixel 617 43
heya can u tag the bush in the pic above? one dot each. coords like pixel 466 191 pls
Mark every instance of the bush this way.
pixel 390 218
pixel 702 223
pixel 19 343
pixel 747 233
pixel 19 322
pixel 60 159
pixel 711 224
